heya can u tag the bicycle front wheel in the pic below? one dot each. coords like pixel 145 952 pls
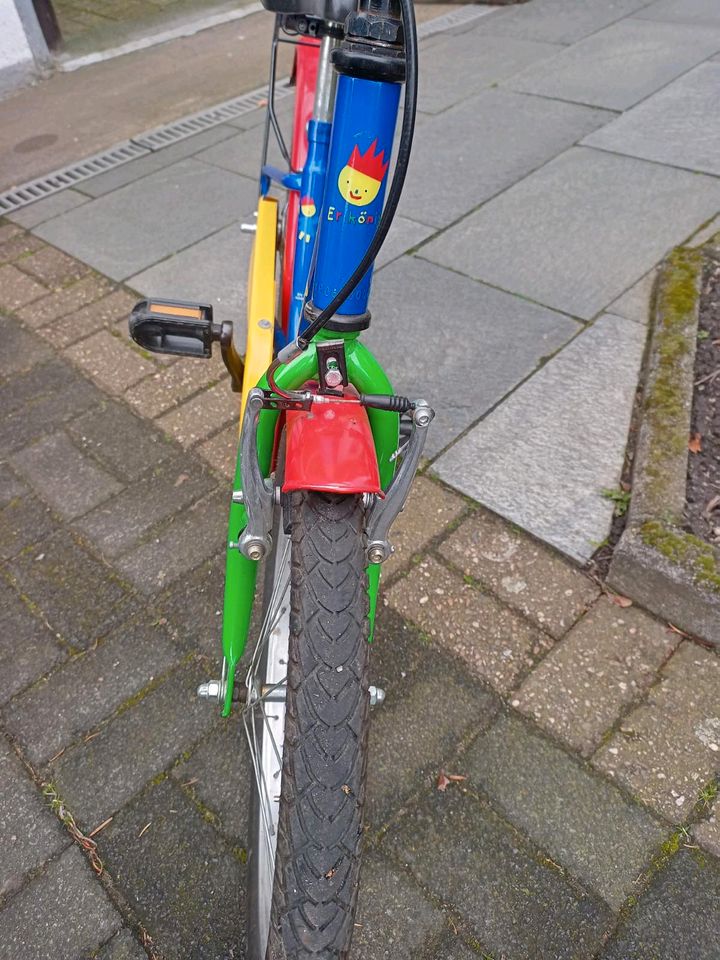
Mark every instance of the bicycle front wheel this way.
pixel 309 810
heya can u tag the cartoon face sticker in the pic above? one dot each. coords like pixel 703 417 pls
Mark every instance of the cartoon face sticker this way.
pixel 307 207
pixel 360 179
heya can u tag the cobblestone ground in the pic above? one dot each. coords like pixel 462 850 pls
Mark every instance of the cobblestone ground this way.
pixel 583 735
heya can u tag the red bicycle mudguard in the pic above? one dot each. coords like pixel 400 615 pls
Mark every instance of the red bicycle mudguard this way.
pixel 331 448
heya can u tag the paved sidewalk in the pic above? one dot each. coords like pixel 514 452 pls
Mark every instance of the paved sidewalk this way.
pixel 587 732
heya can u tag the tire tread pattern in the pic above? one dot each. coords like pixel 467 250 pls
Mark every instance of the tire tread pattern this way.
pixel 326 730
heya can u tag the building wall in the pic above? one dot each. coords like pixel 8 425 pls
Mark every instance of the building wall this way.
pixel 23 51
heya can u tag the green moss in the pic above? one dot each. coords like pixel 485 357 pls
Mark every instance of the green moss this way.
pixel 685 550
pixel 671 845
pixel 665 399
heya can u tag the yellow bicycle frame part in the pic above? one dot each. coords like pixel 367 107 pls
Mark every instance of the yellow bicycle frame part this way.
pixel 262 298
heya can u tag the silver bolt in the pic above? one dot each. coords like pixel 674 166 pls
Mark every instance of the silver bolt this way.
pixel 255 551
pixel 238 496
pixel 377 696
pixel 333 378
pixel 376 555
pixel 210 690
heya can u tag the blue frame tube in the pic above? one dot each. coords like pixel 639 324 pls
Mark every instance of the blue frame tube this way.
pixel 312 188
pixel 363 128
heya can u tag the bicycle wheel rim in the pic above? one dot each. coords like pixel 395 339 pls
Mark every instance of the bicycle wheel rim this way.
pixel 264 720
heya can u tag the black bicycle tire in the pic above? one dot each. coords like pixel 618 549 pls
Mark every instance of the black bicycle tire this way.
pixel 254 949
pixel 326 732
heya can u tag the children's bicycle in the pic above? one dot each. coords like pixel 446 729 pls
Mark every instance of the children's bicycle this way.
pixel 326 458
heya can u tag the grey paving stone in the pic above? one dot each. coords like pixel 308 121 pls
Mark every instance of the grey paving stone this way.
pixel 677 126
pixel 75 699
pixel 707 832
pixel 80 598
pixel 581 820
pixel 123 946
pixel 207 272
pixel 606 661
pixel 678 916
pixel 21 351
pixel 403 236
pixel 543 587
pixel 98 777
pixel 505 137
pixel 577 233
pixel 11 486
pixel 126 444
pixel 71 483
pixel 493 59
pixel 63 914
pixel 133 227
pixel 242 153
pixel 35 213
pixel 559 21
pixel 178 547
pixel 496 644
pixel 703 12
pixel 219 774
pixel 38 402
pixel 490 342
pixel 635 303
pixel 30 834
pixel 394 919
pixel 429 510
pixel 647 54
pixel 23 522
pixel 406 751
pixel 457 847
pixel 50 379
pixel 182 880
pixel 136 169
pixel 119 524
pixel 27 648
pixel 568 426
pixel 195 616
pixel 667 749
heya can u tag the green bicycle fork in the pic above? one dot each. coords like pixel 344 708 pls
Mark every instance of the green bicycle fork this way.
pixel 367 376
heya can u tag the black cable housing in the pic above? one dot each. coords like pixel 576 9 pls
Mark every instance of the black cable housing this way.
pixel 401 166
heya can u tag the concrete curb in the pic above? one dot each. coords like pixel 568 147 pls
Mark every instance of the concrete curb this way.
pixel 669 571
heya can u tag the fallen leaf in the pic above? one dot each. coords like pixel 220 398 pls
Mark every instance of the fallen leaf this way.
pixel 619 600
pixel 712 504
pixel 330 874
pixel 181 479
pixel 445 778
pixel 346 790
pixel 695 444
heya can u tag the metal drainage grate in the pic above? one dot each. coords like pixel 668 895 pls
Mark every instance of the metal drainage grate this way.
pixel 70 176
pixel 455 18
pixel 139 146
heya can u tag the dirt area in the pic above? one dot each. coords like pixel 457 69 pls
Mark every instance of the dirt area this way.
pixel 703 486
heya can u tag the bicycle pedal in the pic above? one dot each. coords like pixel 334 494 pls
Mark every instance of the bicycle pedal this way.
pixel 176 327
